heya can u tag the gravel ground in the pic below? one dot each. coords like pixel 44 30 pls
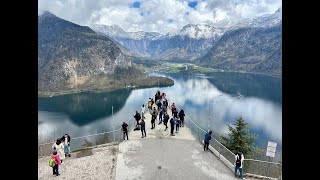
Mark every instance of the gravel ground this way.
pixel 100 165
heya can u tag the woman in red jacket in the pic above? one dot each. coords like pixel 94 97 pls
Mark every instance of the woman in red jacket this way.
pixel 57 161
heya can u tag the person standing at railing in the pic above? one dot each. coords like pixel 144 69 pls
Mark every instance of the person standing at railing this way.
pixel 125 130
pixel 172 122
pixel 165 103
pixel 60 149
pixel 137 117
pixel 181 116
pixel 66 139
pixel 238 164
pixel 142 111
pixel 166 119
pixel 207 138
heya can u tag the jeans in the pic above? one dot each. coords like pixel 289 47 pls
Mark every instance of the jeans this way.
pixel 206 146
pixel 55 169
pixel 160 119
pixel 124 135
pixel 235 171
pixel 66 149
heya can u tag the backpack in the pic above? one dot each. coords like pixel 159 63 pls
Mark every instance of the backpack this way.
pixel 238 161
pixel 52 162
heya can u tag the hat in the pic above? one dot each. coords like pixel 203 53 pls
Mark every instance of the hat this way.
pixel 54 152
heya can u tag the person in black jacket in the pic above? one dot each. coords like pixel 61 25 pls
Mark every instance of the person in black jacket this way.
pixel 66 142
pixel 181 116
pixel 125 130
pixel 143 128
pixel 172 122
pixel 166 119
pixel 137 117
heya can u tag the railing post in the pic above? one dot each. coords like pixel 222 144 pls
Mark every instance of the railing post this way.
pixel 114 135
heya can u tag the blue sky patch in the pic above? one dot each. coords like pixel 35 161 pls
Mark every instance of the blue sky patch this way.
pixel 193 4
pixel 136 4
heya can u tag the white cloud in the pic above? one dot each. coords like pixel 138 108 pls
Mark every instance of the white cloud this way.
pixel 158 15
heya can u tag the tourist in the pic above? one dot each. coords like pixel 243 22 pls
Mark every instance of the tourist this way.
pixel 159 104
pixel 60 149
pixel 177 122
pixel 142 111
pixel 165 103
pixel 238 164
pixel 175 113
pixel 143 128
pixel 137 117
pixel 154 111
pixel 172 122
pixel 173 108
pixel 207 138
pixel 153 119
pixel 150 104
pixel 166 119
pixel 57 161
pixel 66 142
pixel 125 130
pixel 181 116
pixel 160 116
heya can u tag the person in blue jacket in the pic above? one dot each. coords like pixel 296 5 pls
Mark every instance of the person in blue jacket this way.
pixel 207 138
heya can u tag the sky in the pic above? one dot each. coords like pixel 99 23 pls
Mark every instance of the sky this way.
pixel 163 16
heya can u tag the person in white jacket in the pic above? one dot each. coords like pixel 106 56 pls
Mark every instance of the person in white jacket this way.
pixel 60 149
pixel 142 111
pixel 238 164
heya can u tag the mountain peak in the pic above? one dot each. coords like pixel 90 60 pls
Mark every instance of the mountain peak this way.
pixel 200 31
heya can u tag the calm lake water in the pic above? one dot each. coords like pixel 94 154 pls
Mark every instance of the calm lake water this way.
pixel 260 104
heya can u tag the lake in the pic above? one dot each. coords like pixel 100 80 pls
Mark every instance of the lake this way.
pixel 256 98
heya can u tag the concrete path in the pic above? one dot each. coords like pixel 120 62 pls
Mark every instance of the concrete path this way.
pixel 161 156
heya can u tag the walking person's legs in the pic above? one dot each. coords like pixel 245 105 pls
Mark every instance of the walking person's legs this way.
pixel 235 171
pixel 69 150
pixel 142 133
pixel 57 170
pixel 240 169
pixel 145 135
pixel 127 135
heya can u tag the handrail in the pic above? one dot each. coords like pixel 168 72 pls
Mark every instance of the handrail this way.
pixel 223 145
pixel 93 134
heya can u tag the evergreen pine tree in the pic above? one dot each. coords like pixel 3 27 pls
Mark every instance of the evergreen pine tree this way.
pixel 239 138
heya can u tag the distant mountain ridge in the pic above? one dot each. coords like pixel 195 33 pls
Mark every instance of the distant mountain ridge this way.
pixel 250 49
pixel 189 43
pixel 74 58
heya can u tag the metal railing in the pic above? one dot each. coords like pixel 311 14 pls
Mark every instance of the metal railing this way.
pixel 251 167
pixel 89 141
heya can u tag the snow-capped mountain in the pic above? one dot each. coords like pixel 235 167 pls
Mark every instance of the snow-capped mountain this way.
pixel 198 31
pixel 267 20
pixel 114 31
pixel 191 41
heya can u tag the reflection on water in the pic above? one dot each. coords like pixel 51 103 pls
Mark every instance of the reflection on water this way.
pixel 89 113
pixel 84 108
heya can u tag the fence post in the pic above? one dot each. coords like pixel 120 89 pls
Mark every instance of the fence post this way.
pixel 114 135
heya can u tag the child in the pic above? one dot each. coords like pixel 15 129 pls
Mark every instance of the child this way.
pixel 57 161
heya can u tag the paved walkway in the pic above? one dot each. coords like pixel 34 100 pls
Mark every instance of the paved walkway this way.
pixel 161 156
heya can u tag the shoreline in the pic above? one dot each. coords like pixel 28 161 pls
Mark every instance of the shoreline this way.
pixel 163 82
